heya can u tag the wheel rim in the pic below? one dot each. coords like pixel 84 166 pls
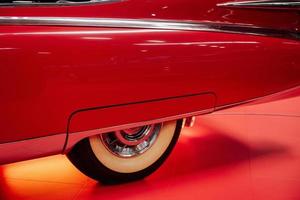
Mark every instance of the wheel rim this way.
pixel 131 142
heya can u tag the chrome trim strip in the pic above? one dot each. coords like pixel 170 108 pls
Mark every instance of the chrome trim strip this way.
pixel 57 3
pixel 263 4
pixel 102 22
pixel 150 24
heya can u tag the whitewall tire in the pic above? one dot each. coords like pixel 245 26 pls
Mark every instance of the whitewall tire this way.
pixel 126 155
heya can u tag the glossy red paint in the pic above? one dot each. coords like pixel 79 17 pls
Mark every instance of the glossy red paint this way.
pixel 167 9
pixel 50 73
pixel 246 152
pixel 54 71
pixel 139 114
pixel 31 148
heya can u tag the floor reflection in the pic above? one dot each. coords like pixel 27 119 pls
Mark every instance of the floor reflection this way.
pixel 221 157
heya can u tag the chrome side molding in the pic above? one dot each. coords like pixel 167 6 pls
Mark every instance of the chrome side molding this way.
pixel 104 22
pixel 263 4
pixel 150 24
pixel 54 2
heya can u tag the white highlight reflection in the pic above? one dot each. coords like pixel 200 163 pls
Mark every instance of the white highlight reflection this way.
pixel 99 32
pixel 194 43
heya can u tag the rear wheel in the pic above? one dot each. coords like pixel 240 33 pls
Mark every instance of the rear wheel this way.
pixel 126 155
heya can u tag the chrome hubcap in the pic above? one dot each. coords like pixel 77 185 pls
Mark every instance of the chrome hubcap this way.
pixel 131 142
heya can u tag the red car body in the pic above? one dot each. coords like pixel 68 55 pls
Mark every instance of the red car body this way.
pixel 62 82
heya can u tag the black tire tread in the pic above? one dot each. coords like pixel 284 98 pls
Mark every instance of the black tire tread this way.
pixel 84 159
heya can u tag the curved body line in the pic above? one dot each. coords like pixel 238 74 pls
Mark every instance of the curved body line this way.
pixel 266 4
pixel 135 124
pixel 185 25
pixel 73 70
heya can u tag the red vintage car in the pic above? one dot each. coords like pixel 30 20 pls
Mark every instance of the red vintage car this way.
pixel 109 82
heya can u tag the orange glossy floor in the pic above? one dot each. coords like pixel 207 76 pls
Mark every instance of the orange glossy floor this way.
pixel 249 152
